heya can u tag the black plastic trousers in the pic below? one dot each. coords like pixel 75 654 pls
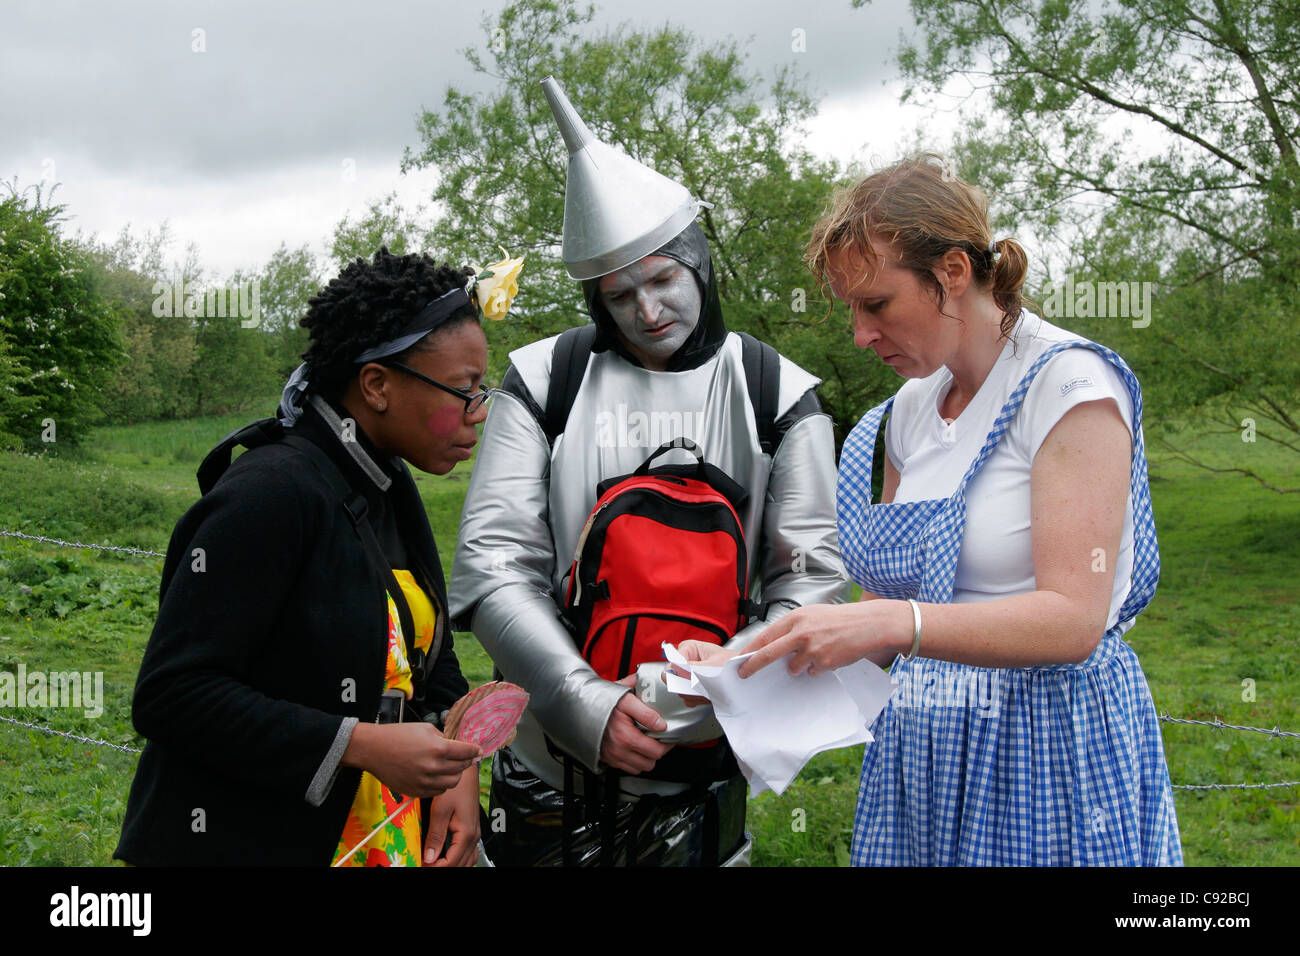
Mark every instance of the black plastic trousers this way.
pixel 526 823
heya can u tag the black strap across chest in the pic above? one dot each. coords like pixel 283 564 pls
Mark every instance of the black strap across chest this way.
pixel 573 352
pixel 354 503
pixel 356 506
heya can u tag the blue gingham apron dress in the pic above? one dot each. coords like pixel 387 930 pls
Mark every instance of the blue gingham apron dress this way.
pixel 1059 765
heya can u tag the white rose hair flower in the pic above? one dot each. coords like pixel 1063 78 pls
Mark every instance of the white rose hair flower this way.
pixel 496 286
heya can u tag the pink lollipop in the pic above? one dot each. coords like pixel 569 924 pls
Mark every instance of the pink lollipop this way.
pixel 487 716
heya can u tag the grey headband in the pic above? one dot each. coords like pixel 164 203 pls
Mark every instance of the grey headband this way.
pixel 429 318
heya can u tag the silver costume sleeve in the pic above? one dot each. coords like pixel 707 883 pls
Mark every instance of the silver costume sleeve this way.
pixel 800 548
pixel 518 628
pixel 501 578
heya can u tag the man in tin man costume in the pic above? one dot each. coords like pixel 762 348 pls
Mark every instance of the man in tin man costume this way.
pixel 605 771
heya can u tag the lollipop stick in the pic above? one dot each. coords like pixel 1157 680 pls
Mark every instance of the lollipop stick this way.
pixel 370 836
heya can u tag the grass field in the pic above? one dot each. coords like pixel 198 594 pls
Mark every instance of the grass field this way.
pixel 1219 640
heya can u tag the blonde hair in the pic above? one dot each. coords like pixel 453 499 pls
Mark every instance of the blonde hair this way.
pixel 922 210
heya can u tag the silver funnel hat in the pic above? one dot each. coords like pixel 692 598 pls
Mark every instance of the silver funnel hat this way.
pixel 616 210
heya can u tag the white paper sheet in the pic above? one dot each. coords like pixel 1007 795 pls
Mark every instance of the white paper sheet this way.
pixel 776 722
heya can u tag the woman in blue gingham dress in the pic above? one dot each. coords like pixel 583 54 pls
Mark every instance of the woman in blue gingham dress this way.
pixel 1048 765
pixel 1023 731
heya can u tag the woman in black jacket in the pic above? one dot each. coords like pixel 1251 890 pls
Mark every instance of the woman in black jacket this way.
pixel 302 656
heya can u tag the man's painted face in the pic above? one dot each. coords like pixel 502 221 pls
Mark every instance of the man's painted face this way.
pixel 656 304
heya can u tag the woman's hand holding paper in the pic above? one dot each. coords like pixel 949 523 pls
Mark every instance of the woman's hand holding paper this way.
pixel 825 637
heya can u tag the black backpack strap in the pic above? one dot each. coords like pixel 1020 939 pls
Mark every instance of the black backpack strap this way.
pixel 354 503
pixel 608 792
pixel 216 462
pixel 267 430
pixel 712 835
pixel 568 814
pixel 573 352
pixel 763 379
pixel 598 806
pixel 568 364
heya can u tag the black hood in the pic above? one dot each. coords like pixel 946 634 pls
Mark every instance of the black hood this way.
pixel 691 249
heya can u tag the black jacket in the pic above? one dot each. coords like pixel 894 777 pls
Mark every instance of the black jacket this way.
pixel 272 627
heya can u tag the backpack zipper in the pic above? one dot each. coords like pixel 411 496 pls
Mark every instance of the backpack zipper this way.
pixel 577 553
pixel 591 520
pixel 695 622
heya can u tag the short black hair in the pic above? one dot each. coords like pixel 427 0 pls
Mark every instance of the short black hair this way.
pixel 369 303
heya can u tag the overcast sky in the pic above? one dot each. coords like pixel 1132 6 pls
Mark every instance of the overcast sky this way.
pixel 243 146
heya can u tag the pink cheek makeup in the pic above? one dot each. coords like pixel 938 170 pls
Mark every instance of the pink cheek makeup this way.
pixel 445 421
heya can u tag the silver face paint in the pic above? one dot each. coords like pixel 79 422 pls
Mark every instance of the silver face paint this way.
pixel 656 303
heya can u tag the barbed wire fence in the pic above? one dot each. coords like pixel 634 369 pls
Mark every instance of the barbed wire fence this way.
pixel 64 733
pixel 78 544
pixel 1215 724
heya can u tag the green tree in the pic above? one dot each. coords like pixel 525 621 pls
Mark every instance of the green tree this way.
pixel 233 369
pixel 60 334
pixel 1147 140
pixel 14 405
pixel 288 281
pixel 690 111
pixel 160 348
pixel 385 223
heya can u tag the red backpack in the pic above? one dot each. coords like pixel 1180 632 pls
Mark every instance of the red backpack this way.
pixel 661 558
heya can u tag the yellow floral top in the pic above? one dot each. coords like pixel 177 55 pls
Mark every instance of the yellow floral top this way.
pixel 398 843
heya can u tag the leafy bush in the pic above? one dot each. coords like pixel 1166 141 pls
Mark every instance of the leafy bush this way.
pixel 55 324
pixel 34 586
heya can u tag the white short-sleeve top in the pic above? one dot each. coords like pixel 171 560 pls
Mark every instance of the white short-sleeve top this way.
pixel 931 456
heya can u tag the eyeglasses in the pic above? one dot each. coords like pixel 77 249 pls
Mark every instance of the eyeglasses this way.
pixel 472 402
